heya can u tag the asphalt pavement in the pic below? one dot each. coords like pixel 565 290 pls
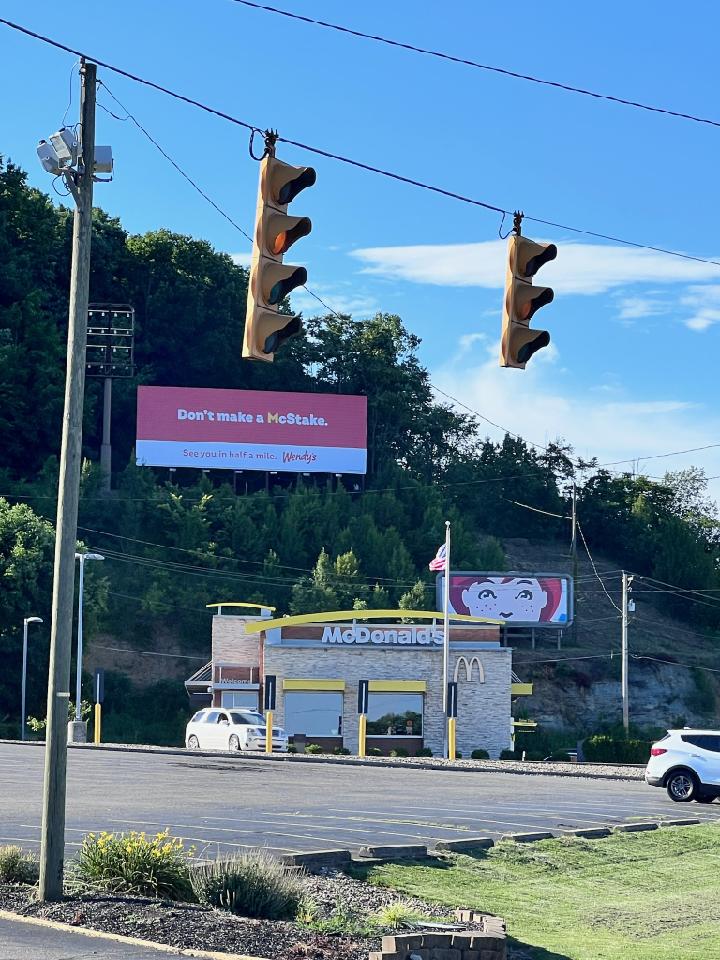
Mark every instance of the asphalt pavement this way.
pixel 230 803
pixel 30 941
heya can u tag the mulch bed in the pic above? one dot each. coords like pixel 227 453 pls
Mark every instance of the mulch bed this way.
pixel 188 926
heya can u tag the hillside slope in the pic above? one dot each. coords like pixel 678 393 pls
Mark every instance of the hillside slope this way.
pixel 578 685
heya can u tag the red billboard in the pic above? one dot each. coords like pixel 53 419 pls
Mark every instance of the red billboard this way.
pixel 251 430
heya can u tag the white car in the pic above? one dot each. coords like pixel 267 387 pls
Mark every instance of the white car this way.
pixel 687 763
pixel 217 729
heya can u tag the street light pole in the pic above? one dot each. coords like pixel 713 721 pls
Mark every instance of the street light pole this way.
pixel 82 557
pixel 26 621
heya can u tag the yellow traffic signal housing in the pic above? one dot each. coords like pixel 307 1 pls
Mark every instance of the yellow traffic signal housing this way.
pixel 522 300
pixel 271 280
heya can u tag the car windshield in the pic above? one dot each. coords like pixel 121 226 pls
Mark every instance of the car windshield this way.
pixel 247 718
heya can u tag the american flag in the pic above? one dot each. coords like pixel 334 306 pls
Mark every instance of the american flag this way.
pixel 438 561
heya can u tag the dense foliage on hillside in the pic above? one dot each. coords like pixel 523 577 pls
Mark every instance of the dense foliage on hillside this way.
pixel 303 544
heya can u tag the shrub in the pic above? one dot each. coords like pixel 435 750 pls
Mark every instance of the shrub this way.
pixel 458 755
pixel 18 867
pixel 133 863
pixel 604 749
pixel 507 754
pixel 374 752
pixel 291 748
pixel 313 748
pixel 480 754
pixel 396 916
pixel 252 884
pixel 424 752
pixel 341 752
pixel 399 752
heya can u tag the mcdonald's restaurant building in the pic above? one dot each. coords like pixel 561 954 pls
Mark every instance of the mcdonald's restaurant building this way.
pixel 318 667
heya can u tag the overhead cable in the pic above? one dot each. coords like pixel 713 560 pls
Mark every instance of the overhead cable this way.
pixel 370 168
pixel 463 61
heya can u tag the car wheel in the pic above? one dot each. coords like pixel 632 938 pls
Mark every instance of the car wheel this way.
pixel 682 786
pixel 234 743
pixel 193 743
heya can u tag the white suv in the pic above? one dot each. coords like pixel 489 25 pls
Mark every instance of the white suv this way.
pixel 216 729
pixel 687 763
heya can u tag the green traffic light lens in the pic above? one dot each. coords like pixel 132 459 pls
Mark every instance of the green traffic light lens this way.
pixel 292 188
pixel 283 287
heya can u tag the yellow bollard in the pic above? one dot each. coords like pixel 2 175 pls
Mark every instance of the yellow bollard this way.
pixel 362 728
pixel 98 712
pixel 451 738
pixel 268 731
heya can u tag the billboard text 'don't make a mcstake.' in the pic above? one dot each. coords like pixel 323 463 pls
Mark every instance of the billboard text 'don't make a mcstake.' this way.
pixel 251 430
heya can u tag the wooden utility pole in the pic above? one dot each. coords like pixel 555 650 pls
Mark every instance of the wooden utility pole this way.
pixel 624 675
pixel 574 563
pixel 80 184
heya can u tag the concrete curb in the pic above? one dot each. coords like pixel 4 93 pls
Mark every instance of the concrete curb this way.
pixel 318 858
pixel 589 833
pixel 531 768
pixel 690 822
pixel 529 837
pixel 635 827
pixel 402 851
pixel 469 843
pixel 120 938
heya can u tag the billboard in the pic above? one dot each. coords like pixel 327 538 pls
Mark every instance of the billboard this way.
pixel 520 599
pixel 251 430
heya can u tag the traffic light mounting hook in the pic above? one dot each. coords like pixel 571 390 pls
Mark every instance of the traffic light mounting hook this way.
pixel 270 137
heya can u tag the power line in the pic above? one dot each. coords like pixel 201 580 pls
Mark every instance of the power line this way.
pixel 348 160
pixel 481 66
pixel 592 564
pixel 685 594
pixel 674 663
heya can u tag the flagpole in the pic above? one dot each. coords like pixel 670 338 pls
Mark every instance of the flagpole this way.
pixel 446 635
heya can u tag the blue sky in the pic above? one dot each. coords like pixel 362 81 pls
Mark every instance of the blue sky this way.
pixel 631 369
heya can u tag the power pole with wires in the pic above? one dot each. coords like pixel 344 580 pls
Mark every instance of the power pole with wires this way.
pixel 573 554
pixel 628 605
pixel 80 184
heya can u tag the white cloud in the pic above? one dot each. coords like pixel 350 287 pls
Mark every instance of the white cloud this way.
pixel 704 304
pixel 241 259
pixel 467 340
pixel 534 404
pixel 359 305
pixel 634 308
pixel 581 268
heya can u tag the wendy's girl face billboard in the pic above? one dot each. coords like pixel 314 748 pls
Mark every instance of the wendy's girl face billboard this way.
pixel 519 599
pixel 251 430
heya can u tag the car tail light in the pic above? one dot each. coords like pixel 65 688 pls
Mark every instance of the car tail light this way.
pixel 657 751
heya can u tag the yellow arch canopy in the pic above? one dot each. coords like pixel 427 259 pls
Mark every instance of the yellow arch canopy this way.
pixel 344 615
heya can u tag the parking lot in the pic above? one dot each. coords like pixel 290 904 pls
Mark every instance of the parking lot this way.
pixel 231 803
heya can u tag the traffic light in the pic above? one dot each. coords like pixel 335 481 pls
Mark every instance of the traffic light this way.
pixel 271 280
pixel 522 300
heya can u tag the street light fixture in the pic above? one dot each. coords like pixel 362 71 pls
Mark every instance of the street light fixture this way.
pixel 26 621
pixel 82 557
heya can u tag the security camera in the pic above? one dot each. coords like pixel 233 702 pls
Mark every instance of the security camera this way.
pixel 65 145
pixel 48 157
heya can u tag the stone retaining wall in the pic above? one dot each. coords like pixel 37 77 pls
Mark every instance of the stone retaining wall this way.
pixel 487 942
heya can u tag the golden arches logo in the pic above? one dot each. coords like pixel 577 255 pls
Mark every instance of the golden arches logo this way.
pixel 469 669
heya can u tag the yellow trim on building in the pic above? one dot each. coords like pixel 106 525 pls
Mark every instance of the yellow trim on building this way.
pixel 313 685
pixel 397 686
pixel 348 616
pixel 528 724
pixel 521 689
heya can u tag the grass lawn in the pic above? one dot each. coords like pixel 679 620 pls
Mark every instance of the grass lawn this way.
pixel 630 896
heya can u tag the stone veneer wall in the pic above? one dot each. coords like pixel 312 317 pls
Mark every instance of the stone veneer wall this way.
pixel 230 643
pixel 484 718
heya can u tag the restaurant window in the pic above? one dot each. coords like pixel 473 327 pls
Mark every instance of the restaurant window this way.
pixel 395 715
pixel 240 698
pixel 314 713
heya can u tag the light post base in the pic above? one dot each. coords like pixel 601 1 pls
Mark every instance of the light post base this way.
pixel 77 731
